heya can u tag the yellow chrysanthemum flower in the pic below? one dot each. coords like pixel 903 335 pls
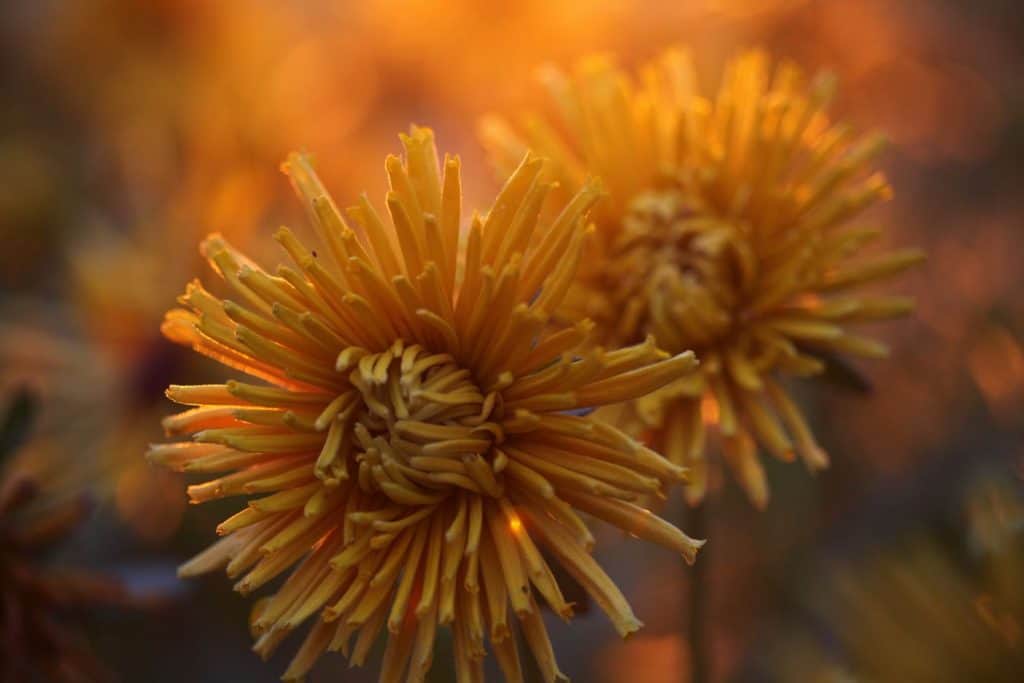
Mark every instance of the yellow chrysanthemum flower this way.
pixel 412 446
pixel 726 233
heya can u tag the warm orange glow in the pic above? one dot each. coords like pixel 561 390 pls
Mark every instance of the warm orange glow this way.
pixel 996 364
pixel 144 126
pixel 651 659
pixel 709 410
pixel 195 148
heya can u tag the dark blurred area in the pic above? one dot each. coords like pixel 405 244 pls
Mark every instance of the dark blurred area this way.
pixel 129 130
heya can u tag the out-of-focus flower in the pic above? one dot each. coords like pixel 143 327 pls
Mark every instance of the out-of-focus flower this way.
pixel 926 609
pixel 412 435
pixel 123 322
pixel 69 378
pixel 71 373
pixel 727 232
pixel 38 637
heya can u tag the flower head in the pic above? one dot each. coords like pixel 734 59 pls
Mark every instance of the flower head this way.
pixel 38 638
pixel 411 454
pixel 726 232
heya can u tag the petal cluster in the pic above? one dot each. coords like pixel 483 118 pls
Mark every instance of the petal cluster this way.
pixel 730 230
pixel 417 450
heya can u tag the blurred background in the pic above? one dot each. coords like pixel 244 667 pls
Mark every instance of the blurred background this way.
pixel 129 130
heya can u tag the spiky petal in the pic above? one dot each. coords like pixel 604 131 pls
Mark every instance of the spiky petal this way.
pixel 409 455
pixel 728 230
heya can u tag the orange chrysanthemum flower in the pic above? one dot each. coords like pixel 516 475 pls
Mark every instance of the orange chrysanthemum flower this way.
pixel 726 232
pixel 411 448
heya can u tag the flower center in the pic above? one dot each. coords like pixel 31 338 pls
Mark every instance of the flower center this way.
pixel 676 274
pixel 421 427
